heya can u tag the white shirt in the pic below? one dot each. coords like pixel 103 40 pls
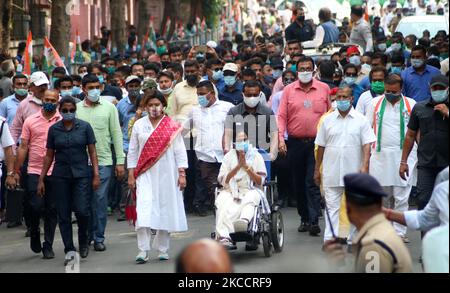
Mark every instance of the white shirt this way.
pixel 318 39
pixel 343 139
pixel 435 250
pixel 6 140
pixel 384 164
pixel 363 102
pixel 444 67
pixel 435 212
pixel 210 124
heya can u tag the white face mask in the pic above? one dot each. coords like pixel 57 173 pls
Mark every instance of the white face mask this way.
pixel 305 77
pixel 166 91
pixel 251 102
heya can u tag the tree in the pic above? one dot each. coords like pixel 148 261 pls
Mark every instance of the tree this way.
pixel 5 23
pixel 118 25
pixel 143 18
pixel 60 28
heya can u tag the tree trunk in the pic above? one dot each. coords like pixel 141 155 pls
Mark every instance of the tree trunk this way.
pixel 118 25
pixel 170 10
pixel 143 18
pixel 5 24
pixel 60 29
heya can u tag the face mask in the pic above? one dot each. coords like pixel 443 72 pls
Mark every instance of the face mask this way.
pixel 305 77
pixel 134 60
pixel 217 75
pixel 66 93
pixel 191 80
pixel 68 116
pixel 301 18
pixel 439 96
pixel 242 146
pixel 276 74
pixel 54 79
pixel 83 75
pixel 155 112
pixel 161 50
pixel 396 70
pixel 134 93
pixel 343 105
pixel 382 47
pixel 76 90
pixel 101 79
pixel 294 68
pixel 392 97
pixel 334 105
pixel 229 80
pixel 203 101
pixel 355 60
pixel 268 79
pixel 209 56
pixel 366 68
pixel 416 63
pixel 166 91
pixel 111 70
pixel 251 102
pixel 49 107
pixel 94 95
pixel 377 87
pixel 396 47
pixel 164 64
pixel 350 80
pixel 21 92
pixel 288 81
pixel 444 56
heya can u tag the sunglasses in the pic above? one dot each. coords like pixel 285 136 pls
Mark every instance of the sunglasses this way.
pixel 65 111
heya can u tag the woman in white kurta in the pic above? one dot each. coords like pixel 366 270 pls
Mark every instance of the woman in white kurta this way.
pixel 159 199
pixel 242 174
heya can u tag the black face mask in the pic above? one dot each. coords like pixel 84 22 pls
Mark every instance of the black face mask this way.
pixel 192 80
pixel 343 62
pixel 209 56
pixel 301 18
pixel 164 64
pixel 337 82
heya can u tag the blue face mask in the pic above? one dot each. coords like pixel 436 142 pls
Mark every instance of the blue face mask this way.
pixel 439 96
pixel 355 60
pixel 101 79
pixel 343 105
pixel 350 80
pixel 94 95
pixel 68 116
pixel 66 93
pixel 49 107
pixel 416 63
pixel 229 80
pixel 54 79
pixel 277 73
pixel 76 90
pixel 242 146
pixel 203 101
pixel 217 75
pixel 134 60
pixel 396 70
pixel 392 97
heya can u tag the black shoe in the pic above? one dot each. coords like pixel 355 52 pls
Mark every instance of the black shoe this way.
pixel 84 251
pixel 304 227
pixel 35 242
pixel 314 230
pixel 47 251
pixel 122 218
pixel 28 233
pixel 200 211
pixel 251 246
pixel 13 224
pixel 99 247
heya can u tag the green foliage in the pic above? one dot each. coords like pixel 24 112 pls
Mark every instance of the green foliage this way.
pixel 212 10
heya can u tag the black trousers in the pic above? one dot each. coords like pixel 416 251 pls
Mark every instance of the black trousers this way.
pixel 281 170
pixel 208 174
pixel 301 157
pixel 42 207
pixel 195 186
pixel 74 194
pixel 425 184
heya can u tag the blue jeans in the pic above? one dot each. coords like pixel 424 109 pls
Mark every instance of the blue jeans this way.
pixel 99 206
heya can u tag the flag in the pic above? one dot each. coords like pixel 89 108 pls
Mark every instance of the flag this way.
pixel 203 25
pixel 28 58
pixel 166 28
pixel 51 58
pixel 152 33
pixel 76 55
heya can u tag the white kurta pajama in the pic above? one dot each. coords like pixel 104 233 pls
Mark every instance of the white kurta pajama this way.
pixel 343 139
pixel 159 200
pixel 384 165
pixel 240 186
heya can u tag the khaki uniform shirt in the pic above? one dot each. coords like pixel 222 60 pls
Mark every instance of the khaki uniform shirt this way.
pixel 362 35
pixel 379 249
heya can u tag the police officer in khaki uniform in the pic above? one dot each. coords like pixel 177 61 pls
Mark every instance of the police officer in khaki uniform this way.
pixel 361 33
pixel 377 247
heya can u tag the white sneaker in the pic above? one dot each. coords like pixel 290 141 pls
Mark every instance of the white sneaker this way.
pixel 163 256
pixel 69 257
pixel 240 225
pixel 142 257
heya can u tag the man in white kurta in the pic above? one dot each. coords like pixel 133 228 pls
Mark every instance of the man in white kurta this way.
pixel 240 197
pixel 159 200
pixel 343 139
pixel 387 152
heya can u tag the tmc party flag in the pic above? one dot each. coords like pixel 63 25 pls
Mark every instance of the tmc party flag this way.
pixel 76 55
pixel 167 28
pixel 203 25
pixel 28 58
pixel 51 58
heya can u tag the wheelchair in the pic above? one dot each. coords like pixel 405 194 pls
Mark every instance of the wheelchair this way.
pixel 267 222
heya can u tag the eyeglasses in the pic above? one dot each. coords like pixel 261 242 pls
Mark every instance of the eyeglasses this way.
pixel 351 74
pixel 65 111
pixel 218 69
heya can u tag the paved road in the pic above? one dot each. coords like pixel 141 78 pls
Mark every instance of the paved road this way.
pixel 301 254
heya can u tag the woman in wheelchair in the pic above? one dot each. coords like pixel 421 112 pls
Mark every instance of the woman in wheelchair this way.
pixel 242 176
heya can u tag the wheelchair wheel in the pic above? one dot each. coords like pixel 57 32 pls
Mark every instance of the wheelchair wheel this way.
pixel 277 231
pixel 266 245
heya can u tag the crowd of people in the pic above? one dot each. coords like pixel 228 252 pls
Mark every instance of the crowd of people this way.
pixel 149 137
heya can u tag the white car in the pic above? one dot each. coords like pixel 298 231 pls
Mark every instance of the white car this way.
pixel 417 24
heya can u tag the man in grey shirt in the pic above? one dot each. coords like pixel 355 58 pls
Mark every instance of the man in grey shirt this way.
pixel 6 73
pixel 361 33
